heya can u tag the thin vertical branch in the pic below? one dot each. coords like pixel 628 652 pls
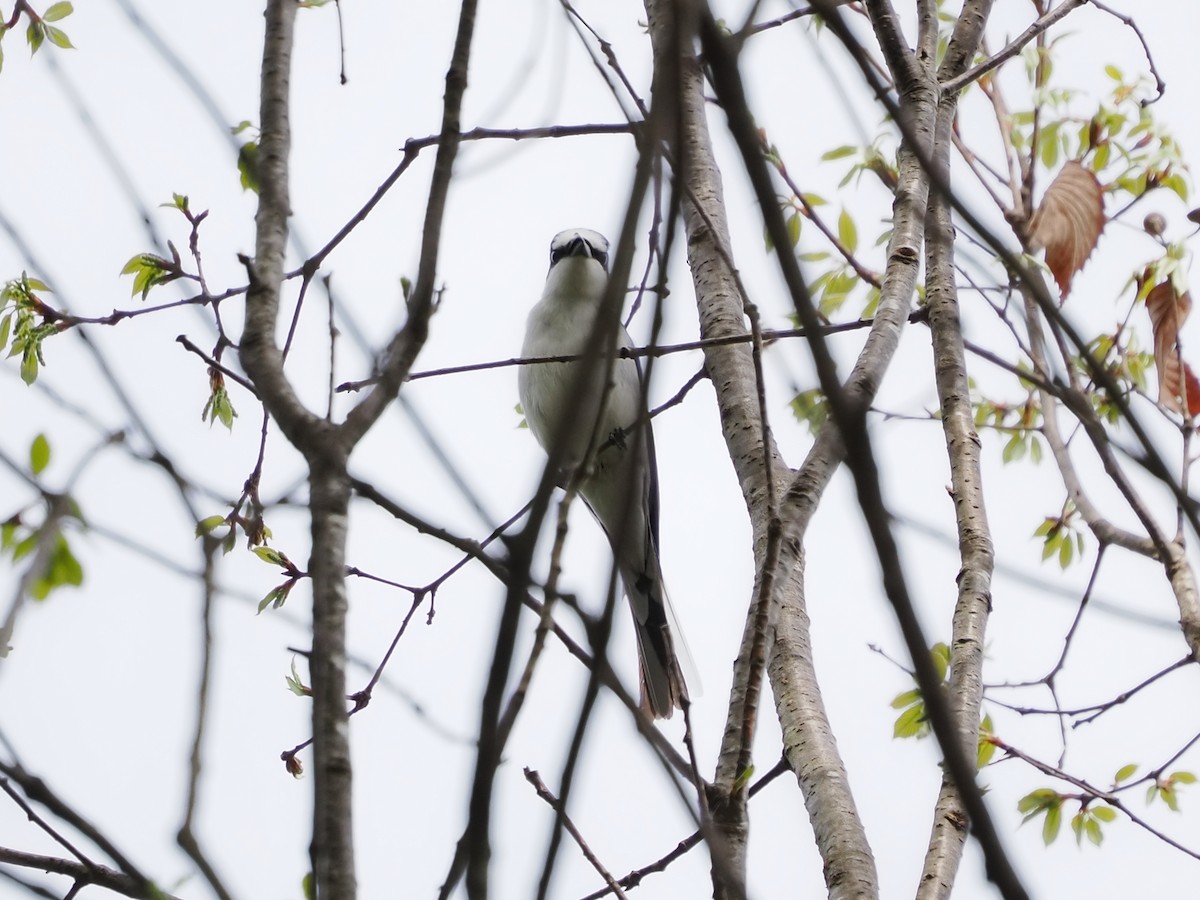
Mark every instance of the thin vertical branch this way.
pixel 186 838
pixel 404 347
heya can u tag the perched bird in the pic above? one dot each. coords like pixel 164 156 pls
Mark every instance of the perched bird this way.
pixel 620 484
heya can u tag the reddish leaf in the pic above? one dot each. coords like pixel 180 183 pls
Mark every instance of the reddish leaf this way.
pixel 1168 309
pixel 1069 222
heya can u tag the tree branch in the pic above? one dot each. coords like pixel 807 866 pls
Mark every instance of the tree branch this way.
pixel 100 876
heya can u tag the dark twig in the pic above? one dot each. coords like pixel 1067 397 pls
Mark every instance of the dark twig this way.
pixel 224 370
pixel 101 876
pixel 186 838
pixel 32 815
pixel 38 791
pixel 1128 22
pixel 634 878
pixel 1090 792
pixel 414 146
pixel 544 792
pixel 768 337
pixel 1039 27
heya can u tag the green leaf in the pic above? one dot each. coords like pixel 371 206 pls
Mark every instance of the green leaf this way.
pixel 743 779
pixel 276 597
pixel 148 271
pixel 1014 449
pixel 1095 835
pixel 25 546
pixel 35 34
pixel 984 753
pixel 247 163
pixel 39 454
pixel 910 723
pixel 204 526
pixel 1170 797
pixel 62 569
pixel 1077 822
pixel 1183 778
pixel 1125 773
pixel 29 364
pixel 1105 813
pixel 271 555
pixel 1035 801
pixel 1052 824
pixel 847 231
pixel 811 408
pixel 839 153
pixel 295 684
pixel 219 408
pixel 986 749
pixel 906 699
pixel 59 38
pixel 5 327
pixel 1065 552
pixel 793 228
pixel 58 11
pixel 940 654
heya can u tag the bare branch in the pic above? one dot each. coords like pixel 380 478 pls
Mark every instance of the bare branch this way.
pixel 1043 23
pixel 101 876
pixel 544 792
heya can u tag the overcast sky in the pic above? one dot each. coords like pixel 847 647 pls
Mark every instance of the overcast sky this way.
pixel 99 693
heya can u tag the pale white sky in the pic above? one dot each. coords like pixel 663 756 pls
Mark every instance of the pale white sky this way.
pixel 98 694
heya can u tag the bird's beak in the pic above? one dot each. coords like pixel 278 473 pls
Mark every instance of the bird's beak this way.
pixel 579 247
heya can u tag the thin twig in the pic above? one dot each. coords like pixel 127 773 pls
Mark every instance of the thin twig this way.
pixel 544 792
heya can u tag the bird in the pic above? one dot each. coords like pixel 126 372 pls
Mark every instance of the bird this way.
pixel 619 482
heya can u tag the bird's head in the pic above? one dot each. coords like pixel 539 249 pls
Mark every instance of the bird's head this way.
pixel 579 242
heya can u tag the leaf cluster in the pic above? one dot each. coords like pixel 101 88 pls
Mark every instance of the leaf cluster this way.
pixel 22 317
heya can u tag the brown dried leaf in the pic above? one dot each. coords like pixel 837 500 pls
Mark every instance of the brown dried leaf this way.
pixel 1168 309
pixel 1068 222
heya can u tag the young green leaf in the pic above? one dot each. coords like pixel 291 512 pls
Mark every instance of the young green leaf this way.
pixel 847 231
pixel 59 38
pixel 271 555
pixel 58 11
pixel 1051 825
pixel 204 526
pixel 1125 773
pixel 295 684
pixel 910 723
pixel 39 454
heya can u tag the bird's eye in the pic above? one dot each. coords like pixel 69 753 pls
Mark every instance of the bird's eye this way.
pixel 601 256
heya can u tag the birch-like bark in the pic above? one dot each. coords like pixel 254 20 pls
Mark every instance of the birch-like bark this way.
pixel 974 536
pixel 809 743
pixel 969 627
pixel 332 846
pixel 731 370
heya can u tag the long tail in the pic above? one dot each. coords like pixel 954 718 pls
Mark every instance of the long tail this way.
pixel 662 684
